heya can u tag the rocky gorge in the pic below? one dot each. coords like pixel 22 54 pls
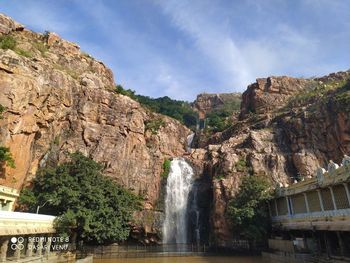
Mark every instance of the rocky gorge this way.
pixel 60 100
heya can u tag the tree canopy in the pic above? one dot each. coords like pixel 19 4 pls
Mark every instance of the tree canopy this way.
pixel 96 207
pixel 248 211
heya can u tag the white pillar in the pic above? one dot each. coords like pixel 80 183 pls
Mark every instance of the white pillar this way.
pixel 306 203
pixel 39 250
pixel 17 254
pixel 47 247
pixel 347 192
pixel 321 200
pixel 30 245
pixel 3 250
pixel 333 198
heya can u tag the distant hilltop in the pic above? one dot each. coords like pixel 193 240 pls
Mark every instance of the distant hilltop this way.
pixel 208 102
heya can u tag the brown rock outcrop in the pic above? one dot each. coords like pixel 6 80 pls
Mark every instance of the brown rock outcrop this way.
pixel 269 93
pixel 59 100
pixel 207 102
pixel 288 128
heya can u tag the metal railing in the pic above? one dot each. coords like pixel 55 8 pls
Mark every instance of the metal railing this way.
pixel 163 250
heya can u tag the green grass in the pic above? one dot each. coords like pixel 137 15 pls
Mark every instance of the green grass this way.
pixel 154 125
pixel 7 42
pixel 241 165
pixel 315 92
pixel 166 168
pixel 24 53
pixel 41 47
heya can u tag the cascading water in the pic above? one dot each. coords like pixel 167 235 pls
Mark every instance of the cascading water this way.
pixel 189 142
pixel 178 188
pixel 195 212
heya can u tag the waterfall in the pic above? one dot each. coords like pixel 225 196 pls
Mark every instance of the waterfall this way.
pixel 178 188
pixel 196 213
pixel 189 142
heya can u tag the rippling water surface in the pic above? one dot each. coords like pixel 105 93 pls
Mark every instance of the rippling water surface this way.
pixel 211 259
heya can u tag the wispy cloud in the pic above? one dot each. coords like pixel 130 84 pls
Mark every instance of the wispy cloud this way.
pixel 181 48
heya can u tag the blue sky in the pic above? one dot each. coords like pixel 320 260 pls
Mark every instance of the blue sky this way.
pixel 182 48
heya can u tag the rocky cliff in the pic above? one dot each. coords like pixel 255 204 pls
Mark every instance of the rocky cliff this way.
pixel 208 102
pixel 287 128
pixel 60 100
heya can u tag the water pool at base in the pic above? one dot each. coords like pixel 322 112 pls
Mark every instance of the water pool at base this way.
pixel 196 259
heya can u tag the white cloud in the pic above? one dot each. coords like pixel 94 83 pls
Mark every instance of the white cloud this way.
pixel 240 61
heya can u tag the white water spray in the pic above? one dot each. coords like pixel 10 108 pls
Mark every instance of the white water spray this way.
pixel 179 185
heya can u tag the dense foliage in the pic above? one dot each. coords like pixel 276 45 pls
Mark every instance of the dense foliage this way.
pixel 248 211
pixel 98 209
pixel 219 119
pixel 179 110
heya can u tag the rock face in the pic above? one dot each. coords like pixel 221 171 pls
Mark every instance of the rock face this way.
pixel 207 102
pixel 267 94
pixel 59 100
pixel 288 127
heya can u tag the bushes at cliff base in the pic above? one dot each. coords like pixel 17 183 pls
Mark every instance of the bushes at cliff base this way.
pixel 248 210
pixel 86 202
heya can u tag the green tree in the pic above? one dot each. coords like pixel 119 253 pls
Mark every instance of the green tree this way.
pixel 77 192
pixel 177 109
pixel 6 157
pixel 248 211
pixel 5 154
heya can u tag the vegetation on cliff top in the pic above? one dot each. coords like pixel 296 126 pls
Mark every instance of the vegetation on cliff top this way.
pixel 316 93
pixel 9 42
pixel 220 118
pixel 177 109
pixel 248 212
pixel 88 203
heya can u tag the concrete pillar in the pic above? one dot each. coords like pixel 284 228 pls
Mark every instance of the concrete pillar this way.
pixel 333 198
pixel 3 250
pixel 17 254
pixel 289 211
pixel 347 192
pixel 39 250
pixel 276 207
pixel 306 203
pixel 30 246
pixel 48 247
pixel 321 200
